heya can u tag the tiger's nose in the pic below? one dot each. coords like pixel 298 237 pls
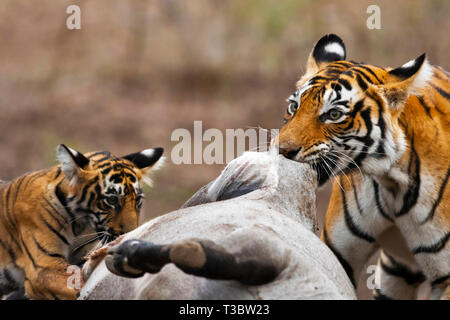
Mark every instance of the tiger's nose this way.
pixel 288 152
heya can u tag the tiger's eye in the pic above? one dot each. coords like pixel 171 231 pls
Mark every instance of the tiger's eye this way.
pixel 334 114
pixel 139 202
pixel 112 200
pixel 292 108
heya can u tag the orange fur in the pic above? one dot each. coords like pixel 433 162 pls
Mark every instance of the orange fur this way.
pixel 388 143
pixel 51 218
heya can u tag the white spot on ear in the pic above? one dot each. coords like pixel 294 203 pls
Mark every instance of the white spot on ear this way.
pixel 335 48
pixel 409 64
pixel 148 152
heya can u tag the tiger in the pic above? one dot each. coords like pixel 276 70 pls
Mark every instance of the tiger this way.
pixel 383 135
pixel 50 219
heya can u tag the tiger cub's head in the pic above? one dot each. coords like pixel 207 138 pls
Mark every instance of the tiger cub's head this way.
pixel 344 114
pixel 106 191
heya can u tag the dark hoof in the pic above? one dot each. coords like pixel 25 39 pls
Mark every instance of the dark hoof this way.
pixel 117 260
pixel 133 258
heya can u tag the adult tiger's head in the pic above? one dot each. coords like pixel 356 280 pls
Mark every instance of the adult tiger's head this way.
pixel 344 114
pixel 105 191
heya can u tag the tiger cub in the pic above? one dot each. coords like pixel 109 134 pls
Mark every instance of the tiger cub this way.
pixel 385 135
pixel 51 218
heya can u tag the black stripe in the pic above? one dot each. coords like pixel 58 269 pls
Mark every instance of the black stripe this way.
pixel 54 209
pixel 361 82
pixel 102 165
pixel 381 123
pixel 442 92
pixel 425 106
pixel 104 153
pixel 333 71
pixel 9 231
pixel 59 235
pixel 439 198
pixel 356 108
pixel 60 195
pixel 58 173
pixel 434 248
pixel 91 199
pixel 378 201
pixel 35 265
pixel 355 194
pixel 366 140
pixel 46 252
pixel 52 214
pixel 85 190
pixel 85 244
pixel 103 159
pixel 9 217
pixel 411 196
pixel 348 269
pixel 316 79
pixel 322 174
pixel 440 280
pixel 400 270
pixel 63 200
pixel 365 76
pixel 371 72
pixel 345 83
pixel 8 249
pixel 350 223
pixel 19 183
pixel 33 176
pixel 344 63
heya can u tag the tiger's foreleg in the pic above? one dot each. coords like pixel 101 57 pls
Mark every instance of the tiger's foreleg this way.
pixel 395 279
pixel 51 280
pixel 197 257
pixel 353 223
pixel 47 273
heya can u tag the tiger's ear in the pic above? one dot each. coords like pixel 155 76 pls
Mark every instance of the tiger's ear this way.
pixel 401 82
pixel 147 160
pixel 72 161
pixel 328 49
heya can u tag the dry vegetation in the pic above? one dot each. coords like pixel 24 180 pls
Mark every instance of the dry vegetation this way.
pixel 139 69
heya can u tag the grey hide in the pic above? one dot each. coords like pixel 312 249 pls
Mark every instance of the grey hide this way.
pixel 270 213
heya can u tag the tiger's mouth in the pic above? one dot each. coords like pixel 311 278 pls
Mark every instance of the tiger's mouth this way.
pixel 310 155
pixel 105 235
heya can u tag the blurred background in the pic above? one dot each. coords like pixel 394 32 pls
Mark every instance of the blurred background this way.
pixel 139 69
